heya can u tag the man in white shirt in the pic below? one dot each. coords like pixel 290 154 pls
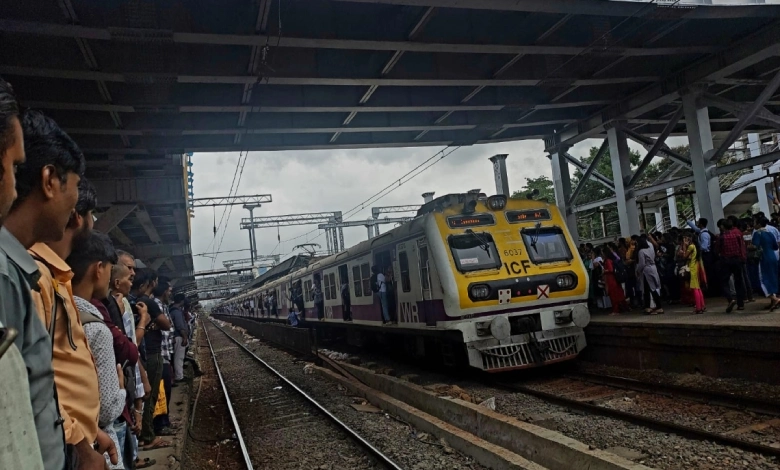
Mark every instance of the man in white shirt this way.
pixel 382 291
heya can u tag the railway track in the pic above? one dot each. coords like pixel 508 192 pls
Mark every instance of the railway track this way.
pixel 276 422
pixel 654 406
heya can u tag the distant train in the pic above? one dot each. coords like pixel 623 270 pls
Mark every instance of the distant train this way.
pixel 493 281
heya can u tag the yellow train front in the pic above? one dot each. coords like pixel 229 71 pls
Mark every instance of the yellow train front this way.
pixel 511 280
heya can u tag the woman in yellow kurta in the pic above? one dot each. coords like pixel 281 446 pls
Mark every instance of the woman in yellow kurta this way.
pixel 693 257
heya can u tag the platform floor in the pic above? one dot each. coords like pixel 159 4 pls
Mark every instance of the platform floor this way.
pixel 754 315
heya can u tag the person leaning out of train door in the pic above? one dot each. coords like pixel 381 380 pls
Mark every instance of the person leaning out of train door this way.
pixel 379 287
pixel 316 294
pixel 346 301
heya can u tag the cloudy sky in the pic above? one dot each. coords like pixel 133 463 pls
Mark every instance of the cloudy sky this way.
pixel 338 180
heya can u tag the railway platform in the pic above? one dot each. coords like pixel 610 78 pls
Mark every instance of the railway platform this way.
pixel 742 344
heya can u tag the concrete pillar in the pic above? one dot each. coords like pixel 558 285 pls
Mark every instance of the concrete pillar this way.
pixel 697 121
pixel 499 174
pixel 672 200
pixel 621 173
pixel 754 150
pixel 562 186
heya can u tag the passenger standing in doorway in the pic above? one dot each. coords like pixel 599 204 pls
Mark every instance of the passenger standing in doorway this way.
pixel 346 300
pixel 316 295
pixel 297 296
pixel 381 289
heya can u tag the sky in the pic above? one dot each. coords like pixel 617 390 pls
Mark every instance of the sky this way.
pixel 338 180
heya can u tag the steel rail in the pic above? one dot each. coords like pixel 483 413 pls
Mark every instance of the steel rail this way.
pixel 373 450
pixel 240 438
pixel 725 400
pixel 659 425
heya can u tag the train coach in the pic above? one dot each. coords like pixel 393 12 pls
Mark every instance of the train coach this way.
pixel 497 282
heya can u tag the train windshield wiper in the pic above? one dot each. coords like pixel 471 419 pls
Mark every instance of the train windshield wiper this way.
pixel 484 243
pixel 535 236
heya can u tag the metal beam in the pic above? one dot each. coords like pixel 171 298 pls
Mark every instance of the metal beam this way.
pixel 120 236
pixel 749 51
pixel 109 219
pixel 770 157
pixel 588 172
pixel 155 108
pixel 230 200
pixel 181 217
pixel 763 116
pixel 657 146
pixel 260 40
pixel 163 250
pixel 155 265
pixel 746 117
pixel 637 193
pixel 319 81
pixel 376 211
pixel 644 140
pixel 595 174
pixel 290 219
pixel 146 223
pixel 270 130
pixel 693 9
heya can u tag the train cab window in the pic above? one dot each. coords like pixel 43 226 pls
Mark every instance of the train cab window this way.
pixel 546 245
pixel 365 274
pixel 403 261
pixel 326 289
pixel 357 279
pixel 424 276
pixel 474 251
pixel 332 277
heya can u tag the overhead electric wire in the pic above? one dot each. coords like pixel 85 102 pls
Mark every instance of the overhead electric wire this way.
pixel 230 208
pixel 230 193
pixel 379 194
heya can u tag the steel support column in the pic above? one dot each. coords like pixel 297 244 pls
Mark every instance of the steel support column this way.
pixel 562 185
pixel 672 201
pixel 754 149
pixel 697 122
pixel 621 173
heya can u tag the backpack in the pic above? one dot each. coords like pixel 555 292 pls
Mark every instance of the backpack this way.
pixel 621 272
pixel 374 283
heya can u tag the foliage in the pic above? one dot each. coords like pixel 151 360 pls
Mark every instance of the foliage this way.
pixel 543 184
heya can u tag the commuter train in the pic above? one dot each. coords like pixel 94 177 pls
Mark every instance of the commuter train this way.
pixel 496 282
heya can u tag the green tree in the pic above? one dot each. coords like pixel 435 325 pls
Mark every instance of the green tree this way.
pixel 543 184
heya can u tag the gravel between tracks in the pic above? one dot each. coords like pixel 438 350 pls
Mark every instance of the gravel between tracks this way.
pixel 660 450
pixel 407 447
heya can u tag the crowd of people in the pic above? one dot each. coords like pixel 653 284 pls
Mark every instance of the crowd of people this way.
pixel 90 339
pixel 680 266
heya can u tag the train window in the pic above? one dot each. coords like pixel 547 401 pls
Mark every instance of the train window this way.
pixel 403 261
pixel 358 282
pixel 365 273
pixel 474 252
pixel 332 285
pixel 307 291
pixel 546 245
pixel 424 277
pixel 327 287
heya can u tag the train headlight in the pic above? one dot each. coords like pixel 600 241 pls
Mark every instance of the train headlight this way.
pixel 497 202
pixel 480 292
pixel 565 281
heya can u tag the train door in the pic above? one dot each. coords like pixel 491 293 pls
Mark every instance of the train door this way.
pixel 424 275
pixel 407 283
pixel 384 261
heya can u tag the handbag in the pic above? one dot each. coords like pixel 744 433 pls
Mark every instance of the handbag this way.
pixel 684 272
